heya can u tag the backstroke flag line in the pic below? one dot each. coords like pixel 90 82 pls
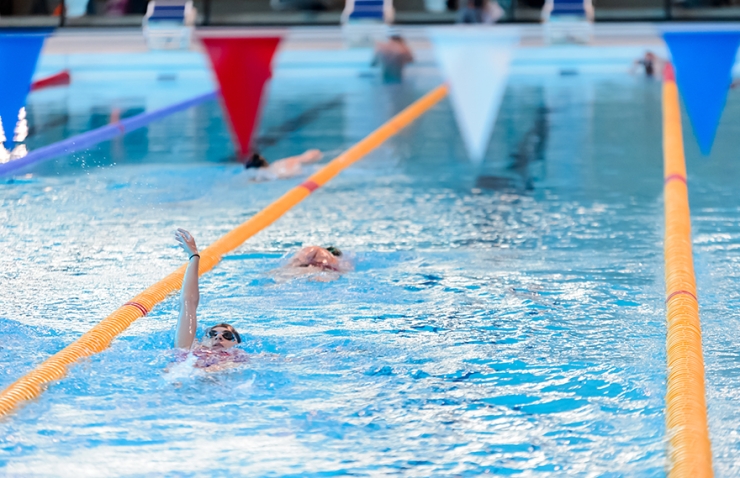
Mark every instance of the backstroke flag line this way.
pixel 19 53
pixel 703 62
pixel 475 63
pixel 242 65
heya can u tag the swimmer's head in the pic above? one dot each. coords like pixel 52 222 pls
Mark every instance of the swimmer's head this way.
pixel 222 336
pixel 334 251
pixel 256 161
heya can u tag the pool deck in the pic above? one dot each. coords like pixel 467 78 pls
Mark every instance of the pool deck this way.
pixel 131 40
pixel 90 53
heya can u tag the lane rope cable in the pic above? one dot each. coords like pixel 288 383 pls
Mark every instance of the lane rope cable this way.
pixel 689 449
pixel 100 336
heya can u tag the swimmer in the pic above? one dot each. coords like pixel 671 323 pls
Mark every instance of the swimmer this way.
pixel 216 351
pixel 652 63
pixel 326 259
pixel 282 168
pixel 317 263
pixel 393 56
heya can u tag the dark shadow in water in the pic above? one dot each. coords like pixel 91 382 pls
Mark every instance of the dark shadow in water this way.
pixel 277 134
pixel 55 122
pixel 530 151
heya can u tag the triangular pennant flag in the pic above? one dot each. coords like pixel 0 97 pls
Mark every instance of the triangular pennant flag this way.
pixel 242 66
pixel 19 53
pixel 703 62
pixel 475 63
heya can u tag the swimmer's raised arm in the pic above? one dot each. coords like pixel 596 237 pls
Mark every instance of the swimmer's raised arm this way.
pixel 310 156
pixel 187 323
pixel 289 167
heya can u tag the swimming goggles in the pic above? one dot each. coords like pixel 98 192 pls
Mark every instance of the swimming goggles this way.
pixel 227 335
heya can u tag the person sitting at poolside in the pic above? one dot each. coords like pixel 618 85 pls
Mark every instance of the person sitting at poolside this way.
pixel 282 168
pixel 215 351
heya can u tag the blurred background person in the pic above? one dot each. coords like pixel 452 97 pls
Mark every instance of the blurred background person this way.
pixel 392 56
pixel 479 11
pixel 651 63
pixel 116 8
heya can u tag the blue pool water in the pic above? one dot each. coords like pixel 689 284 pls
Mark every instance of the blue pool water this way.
pixel 505 318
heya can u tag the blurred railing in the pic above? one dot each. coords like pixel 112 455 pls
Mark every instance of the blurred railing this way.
pixel 129 13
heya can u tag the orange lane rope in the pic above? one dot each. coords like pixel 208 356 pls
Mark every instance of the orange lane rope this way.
pixel 100 336
pixel 689 452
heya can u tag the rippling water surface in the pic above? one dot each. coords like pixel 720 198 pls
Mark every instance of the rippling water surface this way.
pixel 504 318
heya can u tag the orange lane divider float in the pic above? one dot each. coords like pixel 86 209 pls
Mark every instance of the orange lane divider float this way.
pixel 689 453
pixel 100 336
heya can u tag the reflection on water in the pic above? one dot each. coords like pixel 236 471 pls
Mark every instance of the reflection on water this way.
pixel 526 162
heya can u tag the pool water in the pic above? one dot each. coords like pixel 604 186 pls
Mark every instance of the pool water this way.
pixel 505 318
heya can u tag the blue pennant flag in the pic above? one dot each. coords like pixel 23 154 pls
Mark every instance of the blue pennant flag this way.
pixel 703 63
pixel 19 52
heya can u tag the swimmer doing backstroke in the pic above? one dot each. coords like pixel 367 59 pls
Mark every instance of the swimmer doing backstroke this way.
pixel 315 263
pixel 216 350
pixel 326 259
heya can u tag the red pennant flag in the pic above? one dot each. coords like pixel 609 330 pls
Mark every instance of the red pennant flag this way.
pixel 242 66
pixel 60 79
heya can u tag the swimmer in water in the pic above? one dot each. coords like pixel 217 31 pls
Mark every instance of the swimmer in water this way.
pixel 216 351
pixel 393 56
pixel 318 263
pixel 325 259
pixel 282 168
pixel 652 63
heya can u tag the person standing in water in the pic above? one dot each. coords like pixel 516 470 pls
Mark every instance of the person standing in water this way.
pixel 392 56
pixel 216 350
pixel 653 65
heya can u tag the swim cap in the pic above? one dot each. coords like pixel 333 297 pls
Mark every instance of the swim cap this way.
pixel 334 251
pixel 256 161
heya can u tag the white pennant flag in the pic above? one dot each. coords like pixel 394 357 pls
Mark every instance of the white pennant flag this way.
pixel 475 63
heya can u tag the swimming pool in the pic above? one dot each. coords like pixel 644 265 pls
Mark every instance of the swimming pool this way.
pixel 506 318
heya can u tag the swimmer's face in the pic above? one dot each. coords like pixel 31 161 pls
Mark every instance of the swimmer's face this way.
pixel 220 338
pixel 320 257
pixel 324 256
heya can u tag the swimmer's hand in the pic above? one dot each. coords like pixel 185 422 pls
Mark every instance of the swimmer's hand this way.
pixel 186 241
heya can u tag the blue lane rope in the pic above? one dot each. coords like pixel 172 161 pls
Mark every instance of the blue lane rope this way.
pixel 98 135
